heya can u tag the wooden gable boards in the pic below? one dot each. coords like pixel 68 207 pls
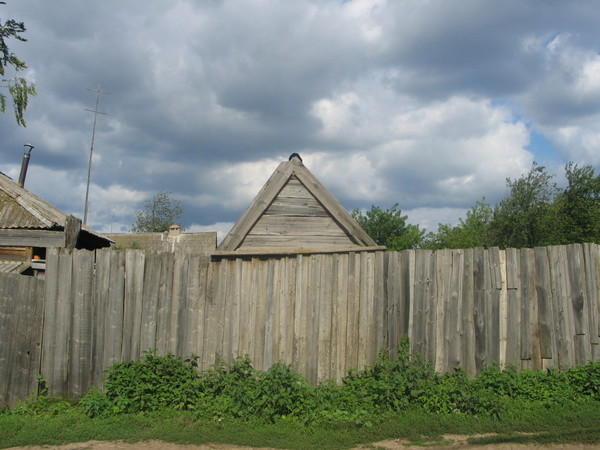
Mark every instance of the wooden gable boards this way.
pixel 294 213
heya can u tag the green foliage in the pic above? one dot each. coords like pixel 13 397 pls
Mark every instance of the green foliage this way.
pixel 42 404
pixel 150 384
pixel 391 385
pixel 168 398
pixel 240 391
pixel 18 88
pixel 526 217
pixel 389 227
pixel 474 231
pixel 96 403
pixel 534 213
pixel 585 380
pixel 158 214
pixel 578 207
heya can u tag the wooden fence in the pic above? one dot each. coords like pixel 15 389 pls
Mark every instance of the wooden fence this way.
pixel 323 313
pixel 21 315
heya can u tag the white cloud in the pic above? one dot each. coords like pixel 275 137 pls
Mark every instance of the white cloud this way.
pixel 443 153
pixel 241 182
pixel 429 218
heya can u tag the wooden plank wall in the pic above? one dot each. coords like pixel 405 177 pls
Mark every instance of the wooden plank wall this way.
pixel 323 313
pixel 21 302
pixel 110 306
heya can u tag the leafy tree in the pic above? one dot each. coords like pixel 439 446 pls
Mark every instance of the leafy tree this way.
pixel 527 217
pixel 389 227
pixel 158 214
pixel 474 231
pixel 578 207
pixel 18 88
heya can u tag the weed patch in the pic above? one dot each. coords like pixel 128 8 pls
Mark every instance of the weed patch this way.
pixel 165 397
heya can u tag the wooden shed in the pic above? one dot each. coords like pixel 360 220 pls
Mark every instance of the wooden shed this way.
pixel 294 213
pixel 30 225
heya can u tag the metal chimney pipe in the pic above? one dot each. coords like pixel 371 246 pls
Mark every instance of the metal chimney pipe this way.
pixel 25 164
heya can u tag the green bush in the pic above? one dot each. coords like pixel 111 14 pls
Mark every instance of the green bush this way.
pixel 149 384
pixel 240 391
pixel 391 385
pixel 95 403
pixel 585 380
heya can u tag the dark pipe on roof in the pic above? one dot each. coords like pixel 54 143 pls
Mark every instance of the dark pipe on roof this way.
pixel 25 164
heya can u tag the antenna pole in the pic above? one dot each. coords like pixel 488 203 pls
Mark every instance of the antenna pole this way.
pixel 96 112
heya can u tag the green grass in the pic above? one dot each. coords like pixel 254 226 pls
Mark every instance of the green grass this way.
pixel 575 423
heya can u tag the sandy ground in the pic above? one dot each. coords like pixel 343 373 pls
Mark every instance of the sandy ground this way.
pixel 451 442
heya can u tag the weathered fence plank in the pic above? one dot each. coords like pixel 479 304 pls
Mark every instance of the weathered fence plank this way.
pixel 468 355
pixel 210 325
pixel 577 281
pixel 134 300
pixel 300 315
pixel 260 311
pixel 510 315
pixel 176 330
pixel 324 312
pixel 341 299
pixel 270 313
pixel 530 354
pixel 439 309
pixel 479 308
pixel 496 285
pixel 8 291
pixel 352 323
pixel 246 329
pixel 113 334
pixel 80 361
pixel 150 297
pixel 380 302
pixel 419 306
pixel 454 334
pixel 220 305
pixel 165 290
pixel 58 325
pixel 23 364
pixel 545 310
pixel 592 278
pixel 236 304
pixel 393 300
pixel 564 329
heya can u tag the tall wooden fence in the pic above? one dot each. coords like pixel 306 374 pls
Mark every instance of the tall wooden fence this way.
pixel 323 314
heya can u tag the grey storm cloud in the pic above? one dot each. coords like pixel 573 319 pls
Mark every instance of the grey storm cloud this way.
pixel 429 104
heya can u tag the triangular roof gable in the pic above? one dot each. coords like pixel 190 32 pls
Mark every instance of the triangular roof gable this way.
pixel 316 205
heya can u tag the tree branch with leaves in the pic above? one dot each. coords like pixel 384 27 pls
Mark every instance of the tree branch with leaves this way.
pixel 19 89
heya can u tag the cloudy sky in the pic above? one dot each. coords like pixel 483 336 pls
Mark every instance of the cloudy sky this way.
pixel 430 104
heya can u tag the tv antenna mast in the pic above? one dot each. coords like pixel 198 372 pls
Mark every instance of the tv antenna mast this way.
pixel 96 112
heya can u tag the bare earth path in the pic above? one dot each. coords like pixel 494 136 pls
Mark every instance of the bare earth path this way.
pixel 453 442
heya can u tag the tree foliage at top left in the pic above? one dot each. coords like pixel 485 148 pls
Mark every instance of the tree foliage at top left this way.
pixel 18 88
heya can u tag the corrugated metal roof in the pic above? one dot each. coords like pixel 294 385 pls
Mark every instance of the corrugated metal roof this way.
pixel 20 208
pixel 13 266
